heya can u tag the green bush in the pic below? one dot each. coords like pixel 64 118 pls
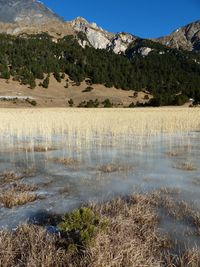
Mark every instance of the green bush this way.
pixel 132 105
pixel 88 89
pixel 57 76
pixel 45 83
pixel 71 102
pixel 89 104
pixel 32 102
pixel 82 225
pixel 107 104
pixel 180 100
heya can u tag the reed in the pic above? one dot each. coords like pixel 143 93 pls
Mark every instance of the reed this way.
pixel 87 123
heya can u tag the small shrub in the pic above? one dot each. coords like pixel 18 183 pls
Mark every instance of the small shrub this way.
pixel 180 100
pixel 82 225
pixel 186 166
pixel 89 104
pixel 57 76
pixel 107 104
pixel 82 104
pixel 45 83
pixel 132 105
pixel 71 102
pixel 92 104
pixel 88 89
pixel 32 102
pixel 146 97
pixel 10 199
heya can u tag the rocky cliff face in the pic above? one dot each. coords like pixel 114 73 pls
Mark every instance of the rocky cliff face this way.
pixel 101 39
pixel 26 11
pixel 31 16
pixel 187 37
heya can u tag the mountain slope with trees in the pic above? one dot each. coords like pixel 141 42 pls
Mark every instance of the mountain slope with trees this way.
pixel 164 72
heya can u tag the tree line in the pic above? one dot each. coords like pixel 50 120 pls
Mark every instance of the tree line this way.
pixel 166 73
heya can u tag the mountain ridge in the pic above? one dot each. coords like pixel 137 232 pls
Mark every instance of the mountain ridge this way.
pixel 31 16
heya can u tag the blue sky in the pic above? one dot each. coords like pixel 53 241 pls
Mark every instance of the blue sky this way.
pixel 144 18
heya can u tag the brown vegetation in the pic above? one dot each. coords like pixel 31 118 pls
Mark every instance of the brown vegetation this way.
pixel 67 161
pixel 10 198
pixel 172 153
pixel 10 176
pixel 130 239
pixel 39 149
pixel 19 187
pixel 186 166
pixel 109 168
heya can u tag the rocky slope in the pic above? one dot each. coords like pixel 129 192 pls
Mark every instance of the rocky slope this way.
pixel 26 11
pixel 187 37
pixel 101 39
pixel 31 16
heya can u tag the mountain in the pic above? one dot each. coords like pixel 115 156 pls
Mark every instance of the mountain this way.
pixel 39 45
pixel 31 16
pixel 101 39
pixel 26 11
pixel 187 37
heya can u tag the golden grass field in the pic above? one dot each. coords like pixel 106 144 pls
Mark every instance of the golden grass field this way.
pixel 89 122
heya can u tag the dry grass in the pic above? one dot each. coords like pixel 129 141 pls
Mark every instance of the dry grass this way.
pixel 39 149
pixel 30 246
pixel 11 198
pixel 172 154
pixel 13 176
pixel 67 161
pixel 19 187
pixel 131 239
pixel 180 210
pixel 109 168
pixel 10 176
pixel 86 123
pixel 186 166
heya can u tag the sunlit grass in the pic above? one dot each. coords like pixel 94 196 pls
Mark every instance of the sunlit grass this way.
pixel 10 198
pixel 98 122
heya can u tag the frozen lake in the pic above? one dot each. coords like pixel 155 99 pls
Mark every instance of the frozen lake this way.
pixel 69 172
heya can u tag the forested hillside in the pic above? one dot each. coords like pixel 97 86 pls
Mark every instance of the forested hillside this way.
pixel 164 72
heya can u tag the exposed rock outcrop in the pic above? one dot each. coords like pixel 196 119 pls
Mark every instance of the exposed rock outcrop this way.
pixel 26 11
pixel 187 37
pixel 31 17
pixel 101 39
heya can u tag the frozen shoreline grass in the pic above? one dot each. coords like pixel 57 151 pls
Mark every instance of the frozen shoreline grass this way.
pixel 11 198
pixel 130 238
pixel 98 122
pixel 185 166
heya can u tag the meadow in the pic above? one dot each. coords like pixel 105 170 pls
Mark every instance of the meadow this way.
pixel 128 179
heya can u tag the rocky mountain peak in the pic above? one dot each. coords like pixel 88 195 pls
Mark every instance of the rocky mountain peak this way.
pixel 32 16
pixel 187 37
pixel 25 11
